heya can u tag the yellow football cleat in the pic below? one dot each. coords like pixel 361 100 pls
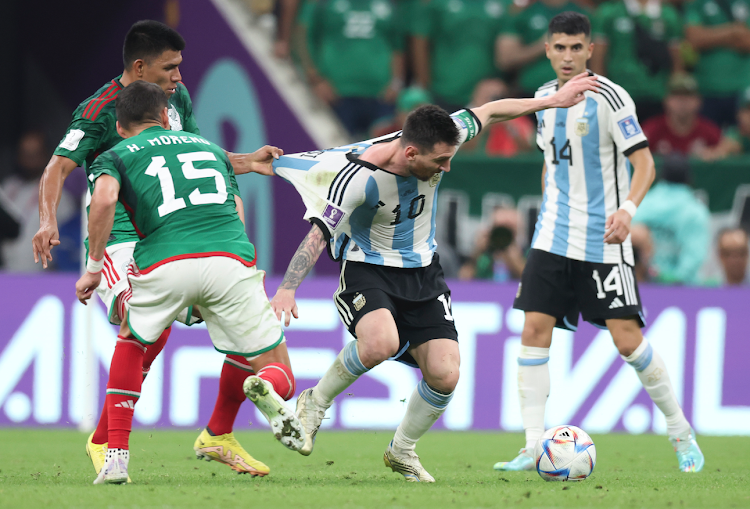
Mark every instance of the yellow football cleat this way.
pixel 98 454
pixel 227 450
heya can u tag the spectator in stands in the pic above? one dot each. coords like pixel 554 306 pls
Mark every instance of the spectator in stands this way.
pixel 497 257
pixel 505 139
pixel 353 57
pixel 521 45
pixel 638 47
pixel 643 253
pixel 454 46
pixel 720 31
pixel 679 224
pixel 408 100
pixel 19 193
pixel 733 255
pixel 736 139
pixel 286 14
pixel 681 130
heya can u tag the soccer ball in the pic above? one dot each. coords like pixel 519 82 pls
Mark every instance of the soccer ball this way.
pixel 565 453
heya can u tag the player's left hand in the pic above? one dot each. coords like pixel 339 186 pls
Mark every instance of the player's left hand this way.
pixel 617 227
pixel 86 285
pixel 573 91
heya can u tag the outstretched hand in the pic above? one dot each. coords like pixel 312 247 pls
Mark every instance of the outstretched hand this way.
pixel 44 240
pixel 573 91
pixel 262 159
pixel 284 305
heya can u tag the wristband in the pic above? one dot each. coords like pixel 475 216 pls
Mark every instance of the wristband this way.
pixel 629 207
pixel 94 266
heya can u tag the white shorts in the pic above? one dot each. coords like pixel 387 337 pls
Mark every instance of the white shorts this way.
pixel 114 281
pixel 231 296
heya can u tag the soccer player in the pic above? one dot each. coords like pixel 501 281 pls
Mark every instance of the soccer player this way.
pixel 373 204
pixel 180 192
pixel 151 52
pixel 581 257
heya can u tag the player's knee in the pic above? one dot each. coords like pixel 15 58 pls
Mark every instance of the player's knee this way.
pixel 536 334
pixel 444 377
pixel 377 349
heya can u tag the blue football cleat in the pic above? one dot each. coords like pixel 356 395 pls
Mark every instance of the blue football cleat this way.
pixel 689 455
pixel 523 461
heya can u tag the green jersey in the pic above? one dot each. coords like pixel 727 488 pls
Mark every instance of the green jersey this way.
pixel 352 43
pixel 93 131
pixel 530 25
pixel 734 134
pixel 178 189
pixel 462 35
pixel 616 25
pixel 720 71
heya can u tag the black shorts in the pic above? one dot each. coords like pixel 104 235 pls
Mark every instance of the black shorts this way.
pixel 562 287
pixel 418 299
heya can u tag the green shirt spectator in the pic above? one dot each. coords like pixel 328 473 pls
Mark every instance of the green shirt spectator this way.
pixel 720 31
pixel 736 139
pixel 522 43
pixel 455 46
pixel 641 42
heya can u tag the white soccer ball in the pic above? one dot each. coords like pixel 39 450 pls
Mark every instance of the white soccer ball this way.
pixel 565 453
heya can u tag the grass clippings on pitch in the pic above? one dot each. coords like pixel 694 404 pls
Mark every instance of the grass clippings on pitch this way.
pixel 49 468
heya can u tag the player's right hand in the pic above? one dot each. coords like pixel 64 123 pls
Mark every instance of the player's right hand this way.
pixel 572 92
pixel 284 305
pixel 86 285
pixel 44 240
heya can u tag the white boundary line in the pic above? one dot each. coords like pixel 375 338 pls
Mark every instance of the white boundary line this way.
pixel 315 117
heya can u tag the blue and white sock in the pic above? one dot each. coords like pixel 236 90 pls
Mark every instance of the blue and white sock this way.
pixel 343 372
pixel 652 372
pixel 425 407
pixel 533 390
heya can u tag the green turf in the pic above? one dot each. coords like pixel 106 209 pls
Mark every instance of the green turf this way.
pixel 48 468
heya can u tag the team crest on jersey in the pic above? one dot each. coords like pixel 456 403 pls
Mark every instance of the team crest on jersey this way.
pixel 332 216
pixel 174 118
pixel 435 179
pixel 359 301
pixel 629 127
pixel 582 126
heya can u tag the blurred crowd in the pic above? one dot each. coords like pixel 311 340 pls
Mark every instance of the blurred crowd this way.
pixel 685 63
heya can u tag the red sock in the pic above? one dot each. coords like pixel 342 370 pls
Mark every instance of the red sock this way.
pixel 231 396
pixel 123 390
pixel 100 433
pixel 281 378
pixel 153 350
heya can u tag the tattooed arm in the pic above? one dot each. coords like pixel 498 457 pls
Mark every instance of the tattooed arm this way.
pixel 304 259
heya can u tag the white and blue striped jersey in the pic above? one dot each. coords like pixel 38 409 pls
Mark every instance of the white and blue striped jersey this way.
pixel 588 174
pixel 370 214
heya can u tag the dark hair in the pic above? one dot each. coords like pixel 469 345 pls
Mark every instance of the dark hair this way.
pixel 569 23
pixel 676 169
pixel 148 39
pixel 427 126
pixel 140 102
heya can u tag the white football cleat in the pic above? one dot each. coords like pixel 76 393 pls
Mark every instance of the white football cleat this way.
pixel 311 416
pixel 284 424
pixel 115 469
pixel 407 465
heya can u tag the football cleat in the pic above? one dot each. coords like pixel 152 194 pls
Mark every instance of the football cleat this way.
pixel 98 454
pixel 115 469
pixel 227 450
pixel 284 424
pixel 689 455
pixel 407 465
pixel 311 416
pixel 523 461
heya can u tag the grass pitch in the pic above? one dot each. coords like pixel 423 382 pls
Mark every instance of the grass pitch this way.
pixel 49 468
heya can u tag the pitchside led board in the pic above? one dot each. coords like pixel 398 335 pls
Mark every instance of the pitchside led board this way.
pixel 701 333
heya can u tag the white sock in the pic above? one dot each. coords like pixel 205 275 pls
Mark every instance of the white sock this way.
pixel 652 372
pixel 343 372
pixel 533 390
pixel 426 405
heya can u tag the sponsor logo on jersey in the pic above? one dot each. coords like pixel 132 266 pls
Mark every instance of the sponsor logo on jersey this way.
pixel 332 216
pixel 359 301
pixel 174 118
pixel 629 127
pixel 582 126
pixel 72 139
